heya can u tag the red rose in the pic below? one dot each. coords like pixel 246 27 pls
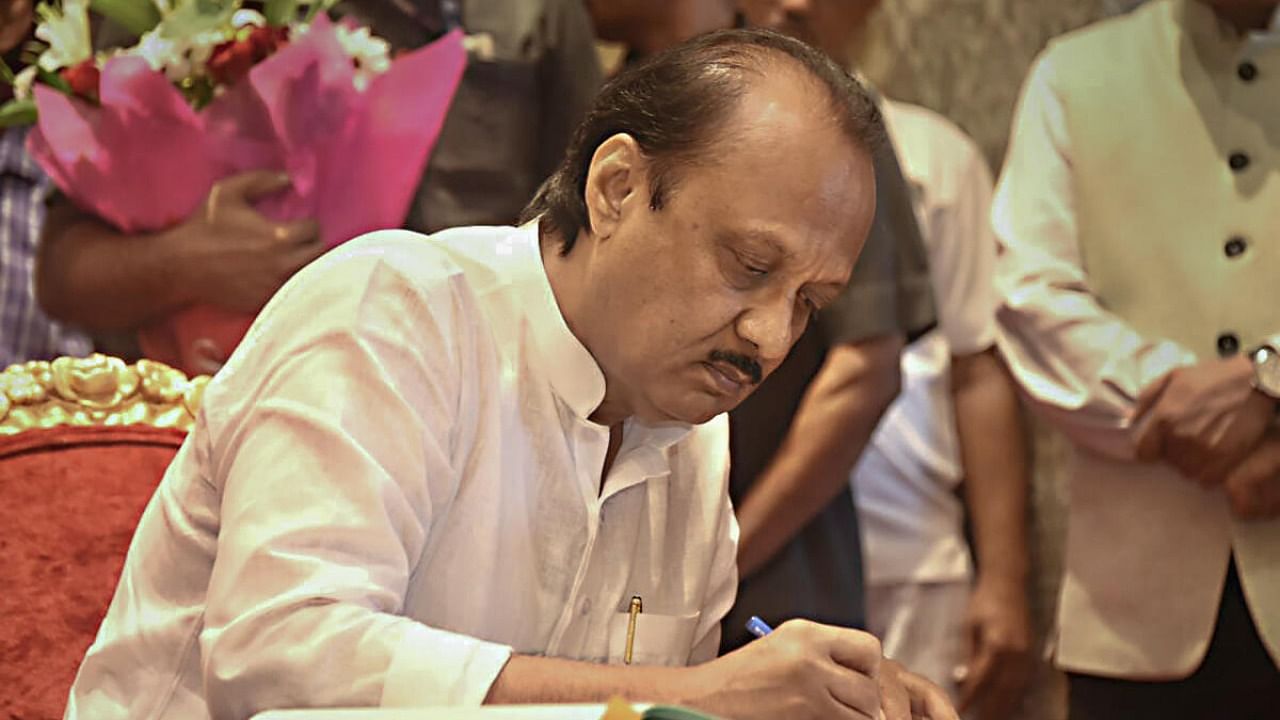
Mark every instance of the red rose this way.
pixel 266 40
pixel 83 79
pixel 232 60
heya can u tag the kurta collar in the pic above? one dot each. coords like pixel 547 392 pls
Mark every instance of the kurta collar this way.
pixel 575 376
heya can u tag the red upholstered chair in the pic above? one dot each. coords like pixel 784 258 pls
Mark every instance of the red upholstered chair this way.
pixel 83 442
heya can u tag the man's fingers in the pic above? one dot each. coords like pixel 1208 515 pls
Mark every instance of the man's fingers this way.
pixel 1009 679
pixel 855 650
pixel 927 700
pixel 1148 427
pixel 895 702
pixel 1149 432
pixel 856 691
pixel 251 185
pixel 297 232
pixel 1149 396
pixel 299 257
pixel 978 680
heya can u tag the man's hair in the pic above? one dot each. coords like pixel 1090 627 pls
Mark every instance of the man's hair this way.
pixel 674 102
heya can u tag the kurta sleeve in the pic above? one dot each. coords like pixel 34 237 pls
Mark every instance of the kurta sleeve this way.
pixel 1081 365
pixel 331 441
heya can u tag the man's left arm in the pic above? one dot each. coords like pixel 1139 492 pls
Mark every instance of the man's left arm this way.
pixel 834 422
pixel 994 456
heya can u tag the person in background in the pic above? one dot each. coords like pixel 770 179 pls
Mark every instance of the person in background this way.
pixel 531 73
pixel 644 27
pixel 447 486
pixel 952 444
pixel 26 333
pixel 1137 218
pixel 957 418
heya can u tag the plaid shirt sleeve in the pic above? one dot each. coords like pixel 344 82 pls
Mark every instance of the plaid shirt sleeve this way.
pixel 26 333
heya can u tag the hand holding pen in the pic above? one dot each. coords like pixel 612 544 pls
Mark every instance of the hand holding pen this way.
pixel 901 695
pixel 801 671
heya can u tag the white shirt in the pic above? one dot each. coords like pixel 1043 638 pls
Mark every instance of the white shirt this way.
pixel 905 483
pixel 392 485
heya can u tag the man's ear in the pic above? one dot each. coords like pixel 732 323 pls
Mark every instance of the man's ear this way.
pixel 616 183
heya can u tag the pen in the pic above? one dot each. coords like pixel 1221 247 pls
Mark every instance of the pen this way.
pixel 758 627
pixel 637 606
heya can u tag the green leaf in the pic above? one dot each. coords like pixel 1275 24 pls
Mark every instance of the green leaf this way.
pixel 135 16
pixel 54 80
pixel 279 12
pixel 18 112
pixel 6 72
pixel 317 7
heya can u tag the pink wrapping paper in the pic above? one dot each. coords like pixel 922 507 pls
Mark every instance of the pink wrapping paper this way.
pixel 144 160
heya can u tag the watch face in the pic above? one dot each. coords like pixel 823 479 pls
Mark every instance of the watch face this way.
pixel 1267 365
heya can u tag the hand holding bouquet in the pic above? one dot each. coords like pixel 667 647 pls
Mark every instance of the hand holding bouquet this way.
pixel 140 135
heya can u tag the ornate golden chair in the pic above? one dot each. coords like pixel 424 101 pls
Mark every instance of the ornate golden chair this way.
pixel 83 442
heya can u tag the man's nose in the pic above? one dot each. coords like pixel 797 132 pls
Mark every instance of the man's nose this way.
pixel 770 327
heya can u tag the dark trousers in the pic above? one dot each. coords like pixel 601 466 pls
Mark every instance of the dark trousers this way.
pixel 1238 680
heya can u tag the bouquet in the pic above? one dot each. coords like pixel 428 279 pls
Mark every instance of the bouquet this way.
pixel 139 135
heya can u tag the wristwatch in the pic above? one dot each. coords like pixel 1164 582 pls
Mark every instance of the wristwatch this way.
pixel 1266 371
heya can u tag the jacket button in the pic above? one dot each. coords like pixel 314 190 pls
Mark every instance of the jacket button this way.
pixel 1238 161
pixel 1228 344
pixel 1235 247
pixel 1247 71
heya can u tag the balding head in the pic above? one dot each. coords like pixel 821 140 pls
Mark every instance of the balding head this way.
pixel 679 105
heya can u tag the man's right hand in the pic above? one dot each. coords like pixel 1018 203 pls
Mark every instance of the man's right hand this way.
pixel 801 670
pixel 233 256
pixel 1203 419
pixel 1253 487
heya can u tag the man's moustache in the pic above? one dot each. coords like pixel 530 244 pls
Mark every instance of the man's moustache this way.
pixel 748 366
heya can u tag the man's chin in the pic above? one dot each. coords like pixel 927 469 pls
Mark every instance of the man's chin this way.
pixel 696 409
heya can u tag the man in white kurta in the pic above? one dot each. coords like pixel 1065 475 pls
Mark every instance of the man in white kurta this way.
pixel 438 469
pixel 442 374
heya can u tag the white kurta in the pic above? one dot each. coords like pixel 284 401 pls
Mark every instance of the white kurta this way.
pixel 905 483
pixel 392 485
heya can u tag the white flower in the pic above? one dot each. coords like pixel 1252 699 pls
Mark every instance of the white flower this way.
pixel 178 57
pixel 154 49
pixel 22 82
pixel 67 34
pixel 372 55
pixel 243 18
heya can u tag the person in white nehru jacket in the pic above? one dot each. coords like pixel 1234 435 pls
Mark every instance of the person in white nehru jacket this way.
pixel 1139 221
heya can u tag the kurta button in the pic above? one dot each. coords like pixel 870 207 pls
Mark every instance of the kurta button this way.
pixel 1238 161
pixel 1235 247
pixel 586 607
pixel 1228 344
pixel 1247 71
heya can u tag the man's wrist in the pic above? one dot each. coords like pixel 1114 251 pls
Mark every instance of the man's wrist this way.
pixel 1003 581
